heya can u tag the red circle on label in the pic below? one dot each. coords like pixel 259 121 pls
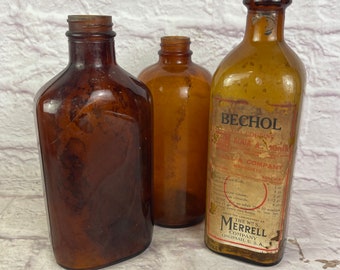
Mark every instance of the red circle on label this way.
pixel 233 198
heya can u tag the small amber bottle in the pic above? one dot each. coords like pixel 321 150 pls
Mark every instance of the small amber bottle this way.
pixel 94 124
pixel 255 110
pixel 180 91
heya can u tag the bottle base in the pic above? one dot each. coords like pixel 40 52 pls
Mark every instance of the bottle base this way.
pixel 243 255
pixel 106 264
pixel 178 225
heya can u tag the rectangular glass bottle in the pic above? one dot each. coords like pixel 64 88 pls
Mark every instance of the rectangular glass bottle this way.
pixel 94 124
pixel 254 115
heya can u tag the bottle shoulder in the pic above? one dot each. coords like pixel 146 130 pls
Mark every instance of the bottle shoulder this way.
pixel 269 71
pixel 260 56
pixel 275 60
pixel 166 72
pixel 76 82
pixel 49 86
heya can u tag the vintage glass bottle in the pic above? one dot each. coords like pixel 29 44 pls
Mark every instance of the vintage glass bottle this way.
pixel 94 124
pixel 255 108
pixel 180 90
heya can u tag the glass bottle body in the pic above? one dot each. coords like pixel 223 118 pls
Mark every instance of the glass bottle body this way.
pixel 255 108
pixel 94 124
pixel 180 91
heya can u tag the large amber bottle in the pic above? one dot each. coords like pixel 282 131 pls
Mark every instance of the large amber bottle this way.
pixel 255 107
pixel 94 125
pixel 181 91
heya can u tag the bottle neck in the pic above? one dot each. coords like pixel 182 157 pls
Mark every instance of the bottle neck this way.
pixel 91 41
pixel 265 25
pixel 88 52
pixel 175 50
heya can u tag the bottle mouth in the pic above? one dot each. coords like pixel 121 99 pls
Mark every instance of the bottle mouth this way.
pixel 267 2
pixel 175 40
pixel 90 24
pixel 175 44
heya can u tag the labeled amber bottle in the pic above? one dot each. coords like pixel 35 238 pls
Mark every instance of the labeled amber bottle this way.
pixel 180 90
pixel 255 109
pixel 94 124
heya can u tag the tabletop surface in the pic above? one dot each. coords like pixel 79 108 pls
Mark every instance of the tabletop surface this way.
pixel 25 243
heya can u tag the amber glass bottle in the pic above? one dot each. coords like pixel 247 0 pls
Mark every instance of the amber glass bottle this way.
pixel 255 107
pixel 180 91
pixel 94 125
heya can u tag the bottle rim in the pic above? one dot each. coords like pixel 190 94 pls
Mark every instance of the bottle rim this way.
pixel 90 24
pixel 175 45
pixel 267 2
pixel 168 40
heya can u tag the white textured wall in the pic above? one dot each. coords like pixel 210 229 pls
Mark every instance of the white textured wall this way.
pixel 33 48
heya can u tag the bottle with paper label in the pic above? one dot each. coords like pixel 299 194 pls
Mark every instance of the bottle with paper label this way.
pixel 254 116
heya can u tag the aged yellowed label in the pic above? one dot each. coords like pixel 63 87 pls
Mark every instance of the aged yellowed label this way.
pixel 250 156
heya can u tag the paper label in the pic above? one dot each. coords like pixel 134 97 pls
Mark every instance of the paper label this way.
pixel 249 167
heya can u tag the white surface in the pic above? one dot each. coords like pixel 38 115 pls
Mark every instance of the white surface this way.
pixel 24 244
pixel 33 48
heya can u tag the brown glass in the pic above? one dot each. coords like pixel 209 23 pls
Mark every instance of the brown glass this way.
pixel 266 49
pixel 94 125
pixel 180 90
